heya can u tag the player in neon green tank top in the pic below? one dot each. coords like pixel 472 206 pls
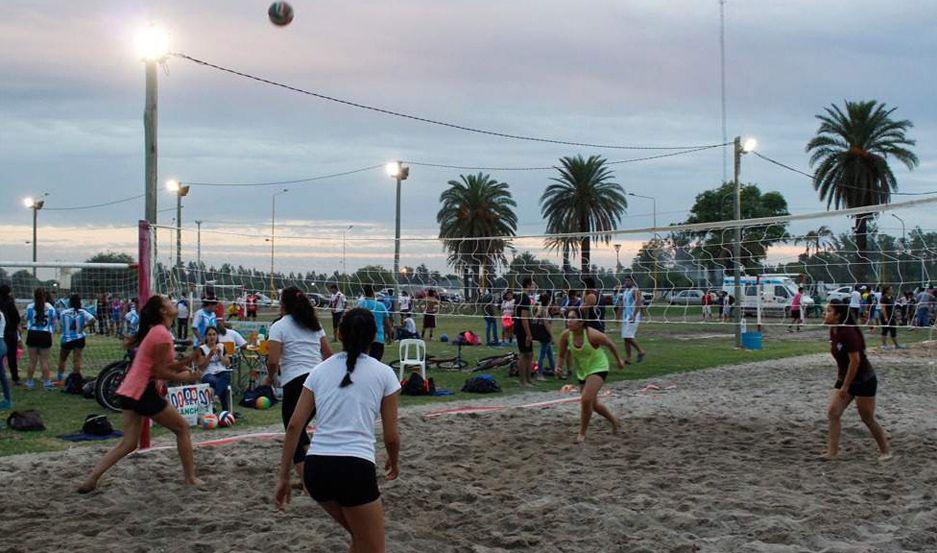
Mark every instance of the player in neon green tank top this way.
pixel 585 346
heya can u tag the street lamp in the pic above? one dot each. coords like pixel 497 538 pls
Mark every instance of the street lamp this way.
pixel 345 232
pixel 398 171
pixel 273 232
pixel 654 224
pixel 35 205
pixel 152 44
pixel 617 258
pixel 177 188
pixel 740 148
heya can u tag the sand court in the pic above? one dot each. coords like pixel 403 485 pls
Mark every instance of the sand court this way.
pixel 724 460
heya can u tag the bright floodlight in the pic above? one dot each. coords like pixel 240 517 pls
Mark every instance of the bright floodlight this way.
pixel 29 202
pixel 393 169
pixel 749 145
pixel 152 43
pixel 173 186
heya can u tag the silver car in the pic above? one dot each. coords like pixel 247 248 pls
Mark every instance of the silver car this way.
pixel 687 297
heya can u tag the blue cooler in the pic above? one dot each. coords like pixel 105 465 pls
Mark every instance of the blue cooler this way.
pixel 751 340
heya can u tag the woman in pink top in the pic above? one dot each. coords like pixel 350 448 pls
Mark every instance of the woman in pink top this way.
pixel 138 396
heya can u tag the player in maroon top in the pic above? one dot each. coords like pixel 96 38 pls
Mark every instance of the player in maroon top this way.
pixel 855 378
pixel 251 301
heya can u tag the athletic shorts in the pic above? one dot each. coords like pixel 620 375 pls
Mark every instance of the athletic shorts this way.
pixel 889 330
pixel 74 344
pixel 861 389
pixel 336 318
pixel 630 330
pixel 603 375
pixel 429 321
pixel 348 481
pixel 38 339
pixel 376 350
pixel 291 392
pixel 149 404
pixel 521 336
pixel 795 314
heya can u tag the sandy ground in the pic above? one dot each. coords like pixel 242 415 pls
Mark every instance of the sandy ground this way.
pixel 725 461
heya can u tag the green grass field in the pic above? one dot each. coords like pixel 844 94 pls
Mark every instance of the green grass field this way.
pixel 671 347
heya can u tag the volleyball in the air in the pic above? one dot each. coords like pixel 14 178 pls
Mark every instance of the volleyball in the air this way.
pixel 280 13
pixel 209 421
pixel 226 419
pixel 263 402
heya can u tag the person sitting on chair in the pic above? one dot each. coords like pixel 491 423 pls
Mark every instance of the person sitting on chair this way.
pixel 407 330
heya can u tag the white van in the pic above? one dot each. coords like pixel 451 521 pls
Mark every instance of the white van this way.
pixel 777 293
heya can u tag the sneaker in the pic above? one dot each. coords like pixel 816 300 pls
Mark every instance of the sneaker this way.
pixel 48 385
pixel 30 384
pixel 6 404
pixel 60 377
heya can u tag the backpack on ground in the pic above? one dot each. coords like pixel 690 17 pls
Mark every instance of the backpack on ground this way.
pixel 469 338
pixel 73 384
pixel 416 385
pixel 481 384
pixel 250 396
pixel 87 390
pixel 25 421
pixel 97 425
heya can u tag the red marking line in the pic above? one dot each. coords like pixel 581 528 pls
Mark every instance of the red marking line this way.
pixel 223 441
pixel 491 408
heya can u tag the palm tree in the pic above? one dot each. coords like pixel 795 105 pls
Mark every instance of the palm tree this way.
pixel 582 199
pixel 818 239
pixel 477 206
pixel 851 151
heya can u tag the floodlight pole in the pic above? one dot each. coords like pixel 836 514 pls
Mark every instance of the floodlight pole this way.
pixel 149 141
pixel 737 246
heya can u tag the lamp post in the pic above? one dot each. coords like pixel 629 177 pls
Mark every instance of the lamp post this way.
pixel 198 250
pixel 153 46
pixel 654 224
pixel 179 190
pixel 396 170
pixel 345 232
pixel 617 258
pixel 273 232
pixel 35 205
pixel 739 148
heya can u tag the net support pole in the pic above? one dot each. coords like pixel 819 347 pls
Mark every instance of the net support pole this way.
pixel 737 246
pixel 144 288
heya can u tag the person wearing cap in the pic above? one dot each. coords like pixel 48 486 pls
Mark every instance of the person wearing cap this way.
pixel 204 319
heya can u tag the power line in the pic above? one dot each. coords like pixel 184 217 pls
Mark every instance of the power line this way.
pixel 294 181
pixel 422 119
pixel 105 204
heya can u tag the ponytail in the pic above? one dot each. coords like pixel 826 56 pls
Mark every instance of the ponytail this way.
pixel 357 330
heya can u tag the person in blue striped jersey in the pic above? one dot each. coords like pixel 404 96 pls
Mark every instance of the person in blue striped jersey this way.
pixel 40 323
pixel 73 322
pixel 132 318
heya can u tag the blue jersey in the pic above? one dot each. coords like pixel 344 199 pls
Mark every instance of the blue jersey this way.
pixel 41 321
pixel 627 303
pixel 202 321
pixel 133 321
pixel 73 322
pixel 380 313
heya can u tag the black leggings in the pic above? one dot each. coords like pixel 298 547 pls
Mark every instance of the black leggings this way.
pixel 182 329
pixel 10 341
pixel 291 392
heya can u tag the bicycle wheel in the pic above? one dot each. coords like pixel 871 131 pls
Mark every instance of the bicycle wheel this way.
pixel 452 364
pixel 109 379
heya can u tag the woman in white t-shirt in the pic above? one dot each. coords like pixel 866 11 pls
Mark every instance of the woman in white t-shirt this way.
pixel 349 392
pixel 297 343
pixel 215 365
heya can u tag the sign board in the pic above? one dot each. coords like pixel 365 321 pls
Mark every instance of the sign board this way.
pixel 191 401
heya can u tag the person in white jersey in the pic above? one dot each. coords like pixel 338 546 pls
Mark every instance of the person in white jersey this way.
pixel 74 320
pixel 337 305
pixel 629 310
pixel 297 343
pixel 406 306
pixel 855 302
pixel 348 392
pixel 182 318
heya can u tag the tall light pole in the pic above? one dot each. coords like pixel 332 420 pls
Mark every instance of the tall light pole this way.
pixel 198 250
pixel 35 205
pixel 345 232
pixel 617 258
pixel 399 172
pixel 654 224
pixel 179 190
pixel 273 232
pixel 153 46
pixel 740 148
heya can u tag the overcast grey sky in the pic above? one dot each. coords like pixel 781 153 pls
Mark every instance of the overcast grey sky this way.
pixel 618 72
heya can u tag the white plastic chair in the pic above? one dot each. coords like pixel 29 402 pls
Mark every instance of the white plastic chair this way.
pixel 417 359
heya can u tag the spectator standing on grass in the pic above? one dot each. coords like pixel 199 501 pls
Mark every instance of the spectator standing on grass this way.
pixel 406 305
pixel 74 320
pixel 922 313
pixel 630 316
pixel 382 317
pixel 707 302
pixel 523 313
pixel 337 305
pixel 888 318
pixel 11 330
pixel 490 310
pixel 132 318
pixel 571 301
pixel 7 401
pixel 855 302
pixel 544 311
pixel 251 306
pixel 797 317
pixel 507 317
pixel 40 323
pixel 182 318
pixel 430 309
pixel 203 320
pixel 116 326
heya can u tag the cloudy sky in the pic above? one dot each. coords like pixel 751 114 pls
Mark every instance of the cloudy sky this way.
pixel 612 72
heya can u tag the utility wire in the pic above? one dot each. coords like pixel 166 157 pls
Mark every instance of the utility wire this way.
pixel 295 181
pixel 105 204
pixel 422 119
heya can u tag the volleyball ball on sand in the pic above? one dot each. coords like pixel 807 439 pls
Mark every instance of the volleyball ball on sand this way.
pixel 280 13
pixel 209 421
pixel 263 402
pixel 226 419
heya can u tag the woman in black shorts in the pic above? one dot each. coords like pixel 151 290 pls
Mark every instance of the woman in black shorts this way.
pixel 855 378
pixel 139 399
pixel 348 392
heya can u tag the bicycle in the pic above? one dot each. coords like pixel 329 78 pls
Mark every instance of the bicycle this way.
pixel 111 377
pixel 497 361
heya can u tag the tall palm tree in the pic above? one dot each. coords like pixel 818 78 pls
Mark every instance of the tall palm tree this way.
pixel 476 206
pixel 851 151
pixel 817 239
pixel 583 199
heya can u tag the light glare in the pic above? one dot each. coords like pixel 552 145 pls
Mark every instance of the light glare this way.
pixel 152 43
pixel 173 186
pixel 393 169
pixel 28 202
pixel 749 145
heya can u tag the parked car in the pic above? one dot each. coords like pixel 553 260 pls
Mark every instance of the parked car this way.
pixel 687 297
pixel 317 299
pixel 841 293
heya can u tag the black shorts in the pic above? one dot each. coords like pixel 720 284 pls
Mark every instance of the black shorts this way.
pixel 336 318
pixel 149 404
pixel 348 481
pixel 38 339
pixel 795 314
pixel 429 321
pixel 603 375
pixel 291 392
pixel 252 315
pixel 377 350
pixel 889 329
pixel 521 336
pixel 861 389
pixel 74 344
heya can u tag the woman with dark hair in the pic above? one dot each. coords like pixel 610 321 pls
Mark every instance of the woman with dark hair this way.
pixel 296 344
pixel 40 322
pixel 154 360
pixel 215 366
pixel 855 378
pixel 74 320
pixel 11 330
pixel 349 392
